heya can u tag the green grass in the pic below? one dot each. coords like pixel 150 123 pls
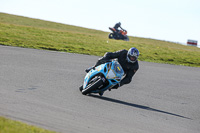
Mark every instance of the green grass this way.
pixel 39 34
pixel 11 126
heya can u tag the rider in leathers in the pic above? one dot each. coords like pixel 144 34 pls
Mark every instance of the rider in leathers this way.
pixel 128 61
pixel 118 25
pixel 118 33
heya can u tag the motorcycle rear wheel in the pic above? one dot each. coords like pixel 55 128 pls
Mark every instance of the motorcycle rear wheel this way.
pixel 111 36
pixel 92 86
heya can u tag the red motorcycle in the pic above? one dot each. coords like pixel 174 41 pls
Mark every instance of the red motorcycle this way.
pixel 121 35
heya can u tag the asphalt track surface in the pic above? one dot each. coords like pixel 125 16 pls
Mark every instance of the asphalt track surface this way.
pixel 41 88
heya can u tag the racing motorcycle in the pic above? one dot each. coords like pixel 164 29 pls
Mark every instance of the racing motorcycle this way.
pixel 121 35
pixel 102 78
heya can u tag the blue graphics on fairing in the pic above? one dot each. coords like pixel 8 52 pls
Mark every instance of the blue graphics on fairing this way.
pixel 111 73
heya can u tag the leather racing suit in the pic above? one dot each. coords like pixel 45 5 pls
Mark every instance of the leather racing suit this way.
pixel 129 68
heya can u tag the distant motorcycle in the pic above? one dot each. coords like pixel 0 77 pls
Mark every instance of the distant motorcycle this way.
pixel 121 35
pixel 102 78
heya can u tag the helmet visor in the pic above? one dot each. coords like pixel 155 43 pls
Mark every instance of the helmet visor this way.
pixel 132 58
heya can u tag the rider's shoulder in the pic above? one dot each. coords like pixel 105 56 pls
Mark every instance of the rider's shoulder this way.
pixel 123 51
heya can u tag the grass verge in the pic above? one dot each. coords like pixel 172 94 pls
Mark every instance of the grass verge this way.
pixel 11 126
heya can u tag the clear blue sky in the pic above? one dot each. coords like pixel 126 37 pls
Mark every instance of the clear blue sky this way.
pixel 170 20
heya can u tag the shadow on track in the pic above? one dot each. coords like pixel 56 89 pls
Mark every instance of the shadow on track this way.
pixel 135 105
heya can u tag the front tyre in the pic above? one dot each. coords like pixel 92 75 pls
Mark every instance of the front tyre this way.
pixel 92 86
pixel 126 38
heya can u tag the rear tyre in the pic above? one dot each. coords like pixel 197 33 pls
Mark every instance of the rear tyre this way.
pixel 111 36
pixel 92 86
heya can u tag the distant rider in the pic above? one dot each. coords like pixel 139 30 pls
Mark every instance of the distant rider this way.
pixel 128 61
pixel 118 25
pixel 120 32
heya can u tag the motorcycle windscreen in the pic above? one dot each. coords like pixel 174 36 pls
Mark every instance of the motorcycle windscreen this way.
pixel 111 75
pixel 116 71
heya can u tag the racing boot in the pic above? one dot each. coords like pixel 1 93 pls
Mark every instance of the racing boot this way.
pixel 114 87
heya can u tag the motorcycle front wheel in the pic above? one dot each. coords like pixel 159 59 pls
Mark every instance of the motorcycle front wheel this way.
pixel 126 38
pixel 92 86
